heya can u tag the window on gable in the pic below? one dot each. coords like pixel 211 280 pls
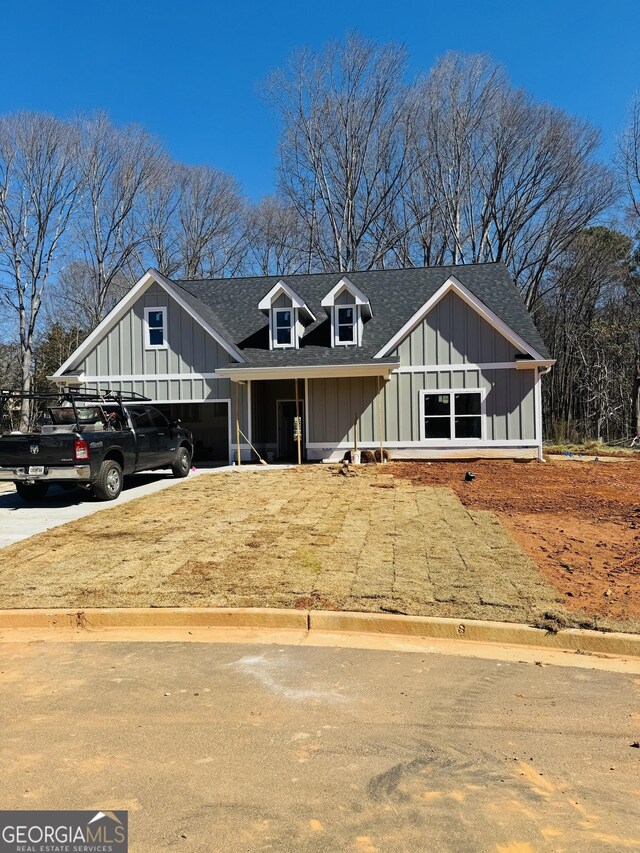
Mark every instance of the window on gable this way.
pixel 346 324
pixel 452 415
pixel 155 327
pixel 283 327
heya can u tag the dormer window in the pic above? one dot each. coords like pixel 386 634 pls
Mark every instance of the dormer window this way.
pixel 346 324
pixel 348 308
pixel 287 314
pixel 283 332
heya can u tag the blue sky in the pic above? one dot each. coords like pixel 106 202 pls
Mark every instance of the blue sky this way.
pixel 188 70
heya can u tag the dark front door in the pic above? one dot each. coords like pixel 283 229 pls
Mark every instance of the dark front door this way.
pixel 288 428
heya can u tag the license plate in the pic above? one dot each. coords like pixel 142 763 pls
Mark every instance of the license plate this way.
pixel 36 470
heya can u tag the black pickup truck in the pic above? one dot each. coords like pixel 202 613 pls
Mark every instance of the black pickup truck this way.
pixel 91 440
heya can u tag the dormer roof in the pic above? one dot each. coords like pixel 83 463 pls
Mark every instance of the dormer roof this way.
pixel 359 298
pixel 279 288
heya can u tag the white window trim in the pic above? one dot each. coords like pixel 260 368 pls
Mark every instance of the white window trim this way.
pixel 357 326
pixel 295 336
pixel 452 414
pixel 146 330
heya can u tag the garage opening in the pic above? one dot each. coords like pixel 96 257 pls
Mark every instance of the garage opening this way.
pixel 209 423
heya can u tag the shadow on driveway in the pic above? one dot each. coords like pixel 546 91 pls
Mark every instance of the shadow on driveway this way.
pixel 59 497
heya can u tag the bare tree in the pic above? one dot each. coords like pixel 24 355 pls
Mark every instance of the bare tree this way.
pixel 275 238
pixel 39 182
pixel 118 165
pixel 159 223
pixel 629 167
pixel 344 114
pixel 501 178
pixel 194 223
pixel 629 162
pixel 592 325
pixel 210 216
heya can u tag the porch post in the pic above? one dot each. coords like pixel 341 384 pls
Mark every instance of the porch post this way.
pixel 298 425
pixel 237 395
pixel 380 418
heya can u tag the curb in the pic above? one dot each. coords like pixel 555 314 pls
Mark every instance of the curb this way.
pixel 311 621
pixel 155 617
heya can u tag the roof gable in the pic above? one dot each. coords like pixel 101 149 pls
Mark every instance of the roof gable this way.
pixel 201 313
pixel 281 287
pixel 395 297
pixel 452 284
pixel 358 296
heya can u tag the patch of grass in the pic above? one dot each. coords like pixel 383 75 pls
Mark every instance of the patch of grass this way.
pixel 287 538
pixel 593 448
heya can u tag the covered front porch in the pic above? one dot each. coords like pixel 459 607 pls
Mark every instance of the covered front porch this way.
pixel 278 418
pixel 283 411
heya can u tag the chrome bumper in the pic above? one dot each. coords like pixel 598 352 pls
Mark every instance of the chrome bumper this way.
pixel 79 473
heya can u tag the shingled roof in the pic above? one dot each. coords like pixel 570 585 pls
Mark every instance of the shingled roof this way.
pixel 231 306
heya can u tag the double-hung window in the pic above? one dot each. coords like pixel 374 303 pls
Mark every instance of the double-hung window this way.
pixel 155 328
pixel 283 327
pixel 345 322
pixel 452 415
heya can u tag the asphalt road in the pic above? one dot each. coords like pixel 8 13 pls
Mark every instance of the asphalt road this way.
pixel 284 748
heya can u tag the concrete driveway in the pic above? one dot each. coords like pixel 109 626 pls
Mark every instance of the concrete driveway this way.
pixel 19 520
pixel 285 748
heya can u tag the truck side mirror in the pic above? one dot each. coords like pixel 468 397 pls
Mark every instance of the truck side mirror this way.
pixel 175 423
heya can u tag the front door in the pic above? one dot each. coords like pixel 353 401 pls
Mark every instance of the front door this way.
pixel 288 427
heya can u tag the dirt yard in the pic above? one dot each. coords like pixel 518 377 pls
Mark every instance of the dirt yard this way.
pixel 304 537
pixel 579 521
pixel 407 537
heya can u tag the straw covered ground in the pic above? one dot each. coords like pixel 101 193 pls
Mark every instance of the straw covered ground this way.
pixel 302 537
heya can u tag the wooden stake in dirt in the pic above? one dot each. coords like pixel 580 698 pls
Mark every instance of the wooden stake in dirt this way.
pixel 237 423
pixel 355 432
pixel 380 418
pixel 298 425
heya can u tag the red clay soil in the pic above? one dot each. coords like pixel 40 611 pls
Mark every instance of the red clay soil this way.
pixel 579 521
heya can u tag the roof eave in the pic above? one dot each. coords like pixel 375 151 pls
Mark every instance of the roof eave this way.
pixel 308 371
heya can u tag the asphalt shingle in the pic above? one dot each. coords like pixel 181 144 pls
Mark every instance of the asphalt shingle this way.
pixel 231 306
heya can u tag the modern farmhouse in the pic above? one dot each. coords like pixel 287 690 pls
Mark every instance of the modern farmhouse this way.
pixel 440 362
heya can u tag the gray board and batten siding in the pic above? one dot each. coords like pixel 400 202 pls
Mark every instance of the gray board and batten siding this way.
pixel 451 336
pixel 451 349
pixel 183 372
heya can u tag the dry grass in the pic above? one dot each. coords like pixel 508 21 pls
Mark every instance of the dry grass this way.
pixel 295 538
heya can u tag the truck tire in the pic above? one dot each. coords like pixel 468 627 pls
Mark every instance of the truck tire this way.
pixel 31 491
pixel 182 463
pixel 109 483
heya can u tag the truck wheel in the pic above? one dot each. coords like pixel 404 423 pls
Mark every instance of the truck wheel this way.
pixel 31 491
pixel 109 483
pixel 182 463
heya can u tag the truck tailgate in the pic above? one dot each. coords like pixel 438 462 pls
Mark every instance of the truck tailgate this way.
pixel 37 449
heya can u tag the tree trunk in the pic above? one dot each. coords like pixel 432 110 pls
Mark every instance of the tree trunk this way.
pixel 25 405
pixel 636 401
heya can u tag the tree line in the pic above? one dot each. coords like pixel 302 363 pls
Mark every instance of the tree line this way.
pixel 456 166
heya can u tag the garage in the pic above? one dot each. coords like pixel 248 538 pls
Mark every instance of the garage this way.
pixel 210 425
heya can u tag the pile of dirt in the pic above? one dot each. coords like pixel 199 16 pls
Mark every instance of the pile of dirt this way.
pixel 579 521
